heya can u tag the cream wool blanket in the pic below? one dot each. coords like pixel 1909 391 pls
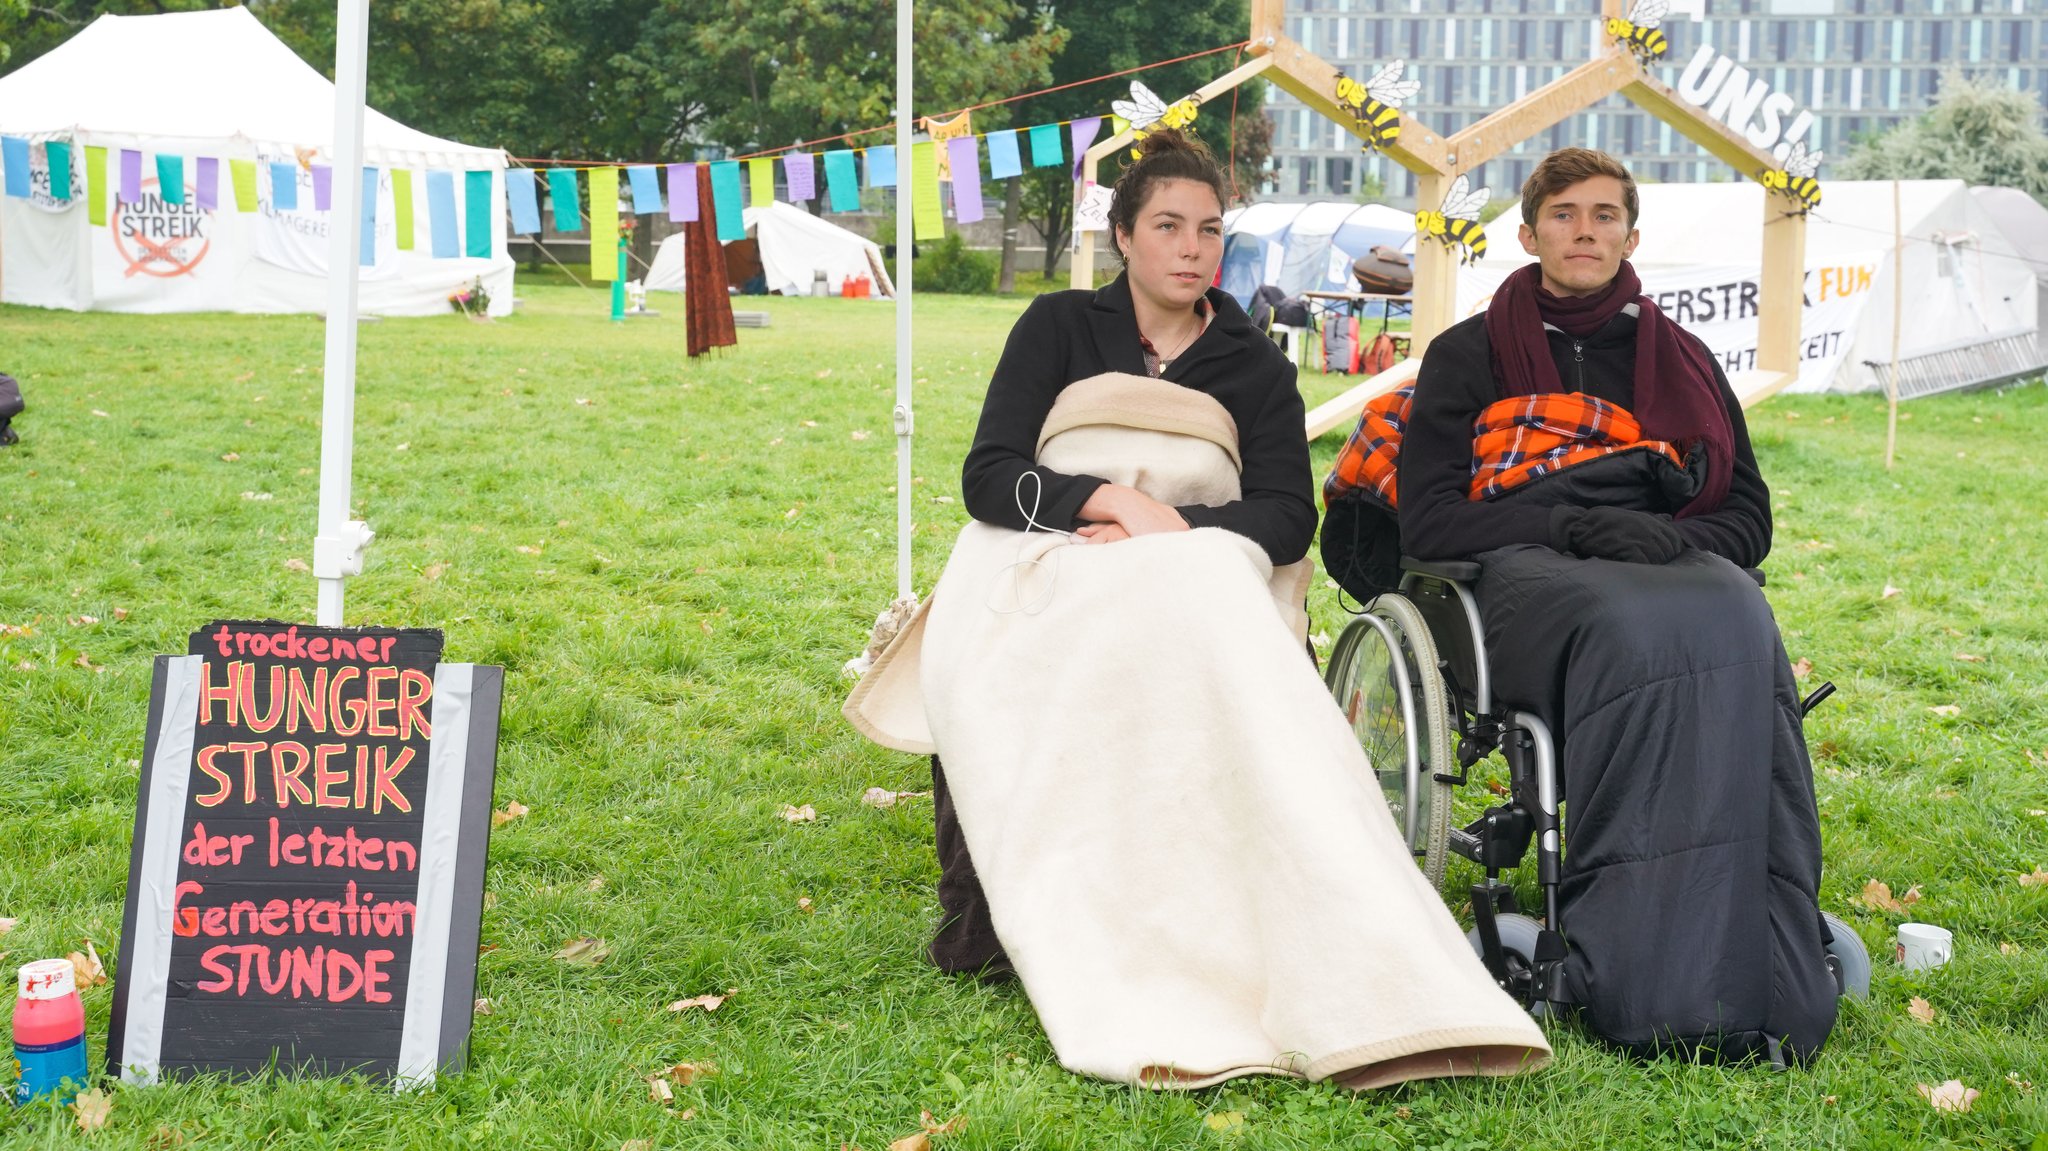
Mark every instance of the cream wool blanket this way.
pixel 1185 854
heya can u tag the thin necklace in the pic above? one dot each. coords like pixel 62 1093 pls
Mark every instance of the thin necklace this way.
pixel 1185 341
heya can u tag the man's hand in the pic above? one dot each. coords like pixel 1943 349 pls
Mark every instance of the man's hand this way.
pixel 1129 511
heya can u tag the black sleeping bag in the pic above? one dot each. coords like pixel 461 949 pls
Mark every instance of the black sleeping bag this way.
pixel 1691 871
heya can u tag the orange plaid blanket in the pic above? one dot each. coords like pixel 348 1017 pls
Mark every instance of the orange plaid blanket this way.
pixel 1513 441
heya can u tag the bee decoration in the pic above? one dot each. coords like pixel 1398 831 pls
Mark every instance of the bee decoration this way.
pixel 1639 33
pixel 1145 111
pixel 1456 223
pixel 1795 178
pixel 1376 104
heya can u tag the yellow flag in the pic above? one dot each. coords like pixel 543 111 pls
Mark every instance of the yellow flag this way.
pixel 604 223
pixel 944 130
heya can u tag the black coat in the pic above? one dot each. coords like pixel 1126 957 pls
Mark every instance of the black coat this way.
pixel 1065 337
pixel 1456 383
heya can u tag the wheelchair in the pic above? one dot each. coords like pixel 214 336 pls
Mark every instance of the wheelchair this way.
pixel 1409 672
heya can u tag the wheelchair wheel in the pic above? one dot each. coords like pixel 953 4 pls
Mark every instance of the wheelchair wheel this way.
pixel 1518 947
pixel 1847 958
pixel 1383 673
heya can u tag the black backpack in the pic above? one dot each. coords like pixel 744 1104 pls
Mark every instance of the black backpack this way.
pixel 10 407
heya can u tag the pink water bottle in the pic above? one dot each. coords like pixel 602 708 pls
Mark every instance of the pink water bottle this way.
pixel 49 1033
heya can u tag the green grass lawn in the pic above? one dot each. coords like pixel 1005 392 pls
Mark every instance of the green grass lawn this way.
pixel 671 559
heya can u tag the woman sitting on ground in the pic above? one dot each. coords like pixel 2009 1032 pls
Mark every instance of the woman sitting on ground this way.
pixel 1175 841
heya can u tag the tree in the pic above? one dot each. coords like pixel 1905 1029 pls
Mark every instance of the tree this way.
pixel 1106 38
pixel 29 28
pixel 1978 130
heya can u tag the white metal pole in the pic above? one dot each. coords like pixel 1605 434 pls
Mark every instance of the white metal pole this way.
pixel 905 422
pixel 337 550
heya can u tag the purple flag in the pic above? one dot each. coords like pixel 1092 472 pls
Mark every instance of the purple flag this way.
pixel 323 188
pixel 208 181
pixel 1084 135
pixel 965 153
pixel 803 176
pixel 131 176
pixel 682 193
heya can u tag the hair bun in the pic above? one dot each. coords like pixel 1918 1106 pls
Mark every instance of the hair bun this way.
pixel 1162 141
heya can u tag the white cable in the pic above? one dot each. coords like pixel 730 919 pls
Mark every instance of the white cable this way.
pixel 1037 603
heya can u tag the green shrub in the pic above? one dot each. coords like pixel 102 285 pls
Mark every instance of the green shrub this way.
pixel 950 267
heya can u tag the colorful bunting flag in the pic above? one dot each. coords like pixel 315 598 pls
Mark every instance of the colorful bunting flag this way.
pixel 242 175
pixel 842 183
pixel 646 189
pixel 926 216
pixel 882 166
pixel 944 130
pixel 682 193
pixel 725 201
pixel 478 215
pixel 14 157
pixel 525 202
pixel 401 207
pixel 1084 135
pixel 562 196
pixel 604 224
pixel 206 184
pixel 801 170
pixel 284 185
pixel 761 182
pixel 96 185
pixel 1045 146
pixel 323 187
pixel 1003 160
pixel 366 242
pixel 131 176
pixel 966 165
pixel 170 178
pixel 57 154
pixel 441 214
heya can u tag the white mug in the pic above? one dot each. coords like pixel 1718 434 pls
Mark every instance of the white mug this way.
pixel 1923 945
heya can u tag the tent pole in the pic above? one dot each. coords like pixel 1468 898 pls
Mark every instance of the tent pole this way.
pixel 338 548
pixel 906 423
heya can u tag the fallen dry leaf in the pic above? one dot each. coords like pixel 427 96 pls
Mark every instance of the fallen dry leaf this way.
pixel 686 1114
pixel 86 965
pixel 596 883
pixel 2008 948
pixel 804 814
pixel 2039 878
pixel 486 1007
pixel 637 1145
pixel 101 414
pixel 93 1109
pixel 584 951
pixel 859 435
pixel 932 1126
pixel 917 1142
pixel 1890 591
pixel 1877 896
pixel 166 1137
pixel 684 1074
pixel 1946 710
pixel 84 620
pixel 803 904
pixel 513 810
pixel 791 514
pixel 659 1091
pixel 707 1002
pixel 1802 669
pixel 585 401
pixel 230 457
pixel 1223 1120
pixel 433 571
pixel 1966 657
pixel 295 564
pixel 527 550
pixel 120 613
pixel 85 661
pixel 882 797
pixel 810 423
pixel 1920 1009
pixel 1950 1096
pixel 7 925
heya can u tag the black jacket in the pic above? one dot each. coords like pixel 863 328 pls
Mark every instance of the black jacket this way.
pixel 1439 521
pixel 1064 337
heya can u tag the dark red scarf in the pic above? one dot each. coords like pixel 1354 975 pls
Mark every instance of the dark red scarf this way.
pixel 1677 398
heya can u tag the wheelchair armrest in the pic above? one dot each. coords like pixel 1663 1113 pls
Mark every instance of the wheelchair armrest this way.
pixel 1463 571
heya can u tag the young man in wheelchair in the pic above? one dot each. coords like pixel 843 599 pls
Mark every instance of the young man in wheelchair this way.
pixel 1588 454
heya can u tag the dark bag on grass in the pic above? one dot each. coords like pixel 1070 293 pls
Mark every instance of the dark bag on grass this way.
pixel 1264 301
pixel 10 407
pixel 1384 270
pixel 1340 344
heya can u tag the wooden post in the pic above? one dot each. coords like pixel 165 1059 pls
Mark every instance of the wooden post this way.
pixel 1436 272
pixel 1081 271
pixel 1781 285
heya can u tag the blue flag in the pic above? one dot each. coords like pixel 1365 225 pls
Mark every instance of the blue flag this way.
pixel 284 187
pixel 525 202
pixel 367 253
pixel 882 167
pixel 1003 160
pixel 447 244
pixel 14 156
pixel 646 190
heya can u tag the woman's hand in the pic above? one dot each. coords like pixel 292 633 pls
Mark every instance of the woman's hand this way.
pixel 1116 512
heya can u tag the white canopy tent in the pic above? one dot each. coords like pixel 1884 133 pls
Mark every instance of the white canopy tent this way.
pixel 795 246
pixel 1305 247
pixel 1966 289
pixel 216 84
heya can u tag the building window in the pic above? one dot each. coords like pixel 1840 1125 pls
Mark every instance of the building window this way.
pixel 1305 176
pixel 1337 175
pixel 1855 89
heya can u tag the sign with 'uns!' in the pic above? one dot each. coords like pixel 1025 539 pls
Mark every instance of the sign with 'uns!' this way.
pixel 307 875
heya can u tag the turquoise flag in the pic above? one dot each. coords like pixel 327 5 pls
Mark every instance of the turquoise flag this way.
pixel 59 152
pixel 478 215
pixel 562 194
pixel 170 178
pixel 1045 146
pixel 725 201
pixel 842 183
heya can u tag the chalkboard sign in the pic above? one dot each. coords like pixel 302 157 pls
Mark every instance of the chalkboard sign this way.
pixel 306 882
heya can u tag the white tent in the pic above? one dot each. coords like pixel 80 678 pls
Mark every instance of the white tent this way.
pixel 795 247
pixel 2025 224
pixel 1969 300
pixel 1305 247
pixel 217 85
